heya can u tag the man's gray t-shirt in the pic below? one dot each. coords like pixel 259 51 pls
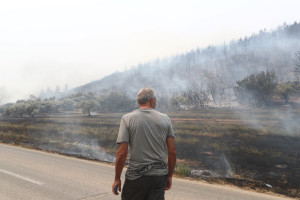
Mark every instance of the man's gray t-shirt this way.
pixel 146 132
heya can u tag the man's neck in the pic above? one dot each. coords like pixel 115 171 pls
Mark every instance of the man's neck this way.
pixel 145 107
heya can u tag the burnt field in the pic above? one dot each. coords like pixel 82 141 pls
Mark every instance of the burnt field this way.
pixel 257 149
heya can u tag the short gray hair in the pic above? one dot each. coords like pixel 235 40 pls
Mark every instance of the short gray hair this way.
pixel 145 94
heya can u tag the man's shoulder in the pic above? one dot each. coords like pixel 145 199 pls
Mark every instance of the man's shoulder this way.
pixel 160 113
pixel 131 114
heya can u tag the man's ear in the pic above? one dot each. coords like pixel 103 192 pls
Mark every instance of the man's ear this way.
pixel 152 102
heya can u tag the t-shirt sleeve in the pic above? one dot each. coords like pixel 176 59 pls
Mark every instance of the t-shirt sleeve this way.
pixel 123 136
pixel 170 132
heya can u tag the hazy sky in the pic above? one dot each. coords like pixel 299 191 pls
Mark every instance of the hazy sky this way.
pixel 58 42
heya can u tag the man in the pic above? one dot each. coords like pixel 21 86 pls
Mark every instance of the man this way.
pixel 149 136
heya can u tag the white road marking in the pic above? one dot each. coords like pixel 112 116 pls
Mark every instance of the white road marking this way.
pixel 21 177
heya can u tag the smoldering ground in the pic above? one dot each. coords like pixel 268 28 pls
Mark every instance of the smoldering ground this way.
pixel 70 135
pixel 283 120
pixel 217 144
pixel 77 146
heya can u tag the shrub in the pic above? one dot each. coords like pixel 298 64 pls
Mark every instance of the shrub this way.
pixel 182 170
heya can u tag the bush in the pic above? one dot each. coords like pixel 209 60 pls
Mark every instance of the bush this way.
pixel 182 170
pixel 256 89
pixel 284 90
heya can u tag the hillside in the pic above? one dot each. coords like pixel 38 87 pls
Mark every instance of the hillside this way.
pixel 213 70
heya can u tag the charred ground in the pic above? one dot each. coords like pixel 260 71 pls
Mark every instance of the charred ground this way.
pixel 247 148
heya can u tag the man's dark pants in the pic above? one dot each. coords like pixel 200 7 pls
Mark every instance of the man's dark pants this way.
pixel 145 188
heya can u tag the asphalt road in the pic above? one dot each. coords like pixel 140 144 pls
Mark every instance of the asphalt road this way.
pixel 29 174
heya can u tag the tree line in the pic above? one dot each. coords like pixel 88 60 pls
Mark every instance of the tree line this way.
pixel 261 89
pixel 114 101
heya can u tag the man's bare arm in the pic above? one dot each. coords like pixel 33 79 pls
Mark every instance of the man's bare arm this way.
pixel 119 165
pixel 171 160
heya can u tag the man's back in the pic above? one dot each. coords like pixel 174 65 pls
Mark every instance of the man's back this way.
pixel 146 131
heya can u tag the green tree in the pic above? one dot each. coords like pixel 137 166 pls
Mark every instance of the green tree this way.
pixel 116 101
pixel 177 102
pixel 284 90
pixel 31 108
pixel 47 106
pixel 19 109
pixel 256 89
pixel 89 105
pixel 8 109
pixel 67 104
pixel 196 98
